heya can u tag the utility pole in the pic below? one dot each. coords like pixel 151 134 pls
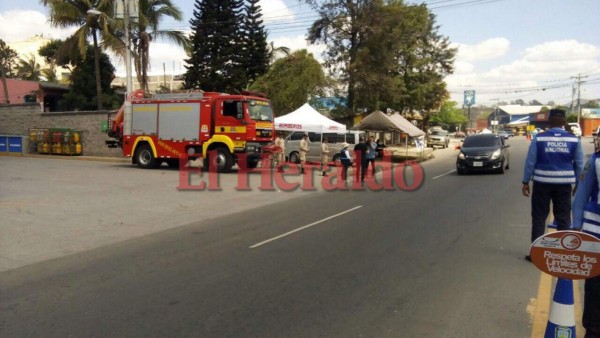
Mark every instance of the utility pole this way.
pixel 579 77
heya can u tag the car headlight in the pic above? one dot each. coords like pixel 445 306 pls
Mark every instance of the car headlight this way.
pixel 461 155
pixel 496 154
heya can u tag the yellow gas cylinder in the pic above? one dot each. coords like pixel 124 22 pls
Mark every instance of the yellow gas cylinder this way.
pixel 32 135
pixel 59 148
pixel 46 148
pixel 78 148
pixel 40 147
pixel 76 137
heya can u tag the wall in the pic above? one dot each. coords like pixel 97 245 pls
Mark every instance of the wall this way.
pixel 19 118
pixel 589 125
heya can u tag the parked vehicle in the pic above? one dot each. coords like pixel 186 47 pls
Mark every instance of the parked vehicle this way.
pixel 198 124
pixel 574 128
pixel 483 152
pixel 459 134
pixel 438 138
pixel 503 134
pixel 292 144
pixel 509 132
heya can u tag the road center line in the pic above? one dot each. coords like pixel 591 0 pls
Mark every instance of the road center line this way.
pixel 448 173
pixel 304 227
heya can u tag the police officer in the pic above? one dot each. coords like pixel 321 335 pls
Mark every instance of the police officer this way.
pixel 554 163
pixel 586 216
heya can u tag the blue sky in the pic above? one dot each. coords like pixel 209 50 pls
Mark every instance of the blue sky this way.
pixel 508 49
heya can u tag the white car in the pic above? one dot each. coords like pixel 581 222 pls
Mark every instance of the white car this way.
pixel 575 129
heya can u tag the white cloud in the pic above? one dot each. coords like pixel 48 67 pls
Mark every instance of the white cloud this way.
pixel 485 50
pixel 275 10
pixel 541 66
pixel 299 42
pixel 19 25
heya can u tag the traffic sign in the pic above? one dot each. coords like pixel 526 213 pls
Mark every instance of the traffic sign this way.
pixel 469 97
pixel 567 254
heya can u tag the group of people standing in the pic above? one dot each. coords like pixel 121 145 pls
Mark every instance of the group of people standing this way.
pixel 364 153
pixel 555 164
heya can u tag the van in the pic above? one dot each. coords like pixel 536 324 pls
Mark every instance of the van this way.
pixel 292 144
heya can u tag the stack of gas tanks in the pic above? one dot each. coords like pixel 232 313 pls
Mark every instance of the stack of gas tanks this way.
pixel 57 141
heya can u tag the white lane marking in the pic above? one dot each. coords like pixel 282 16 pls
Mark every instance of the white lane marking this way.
pixel 303 227
pixel 448 173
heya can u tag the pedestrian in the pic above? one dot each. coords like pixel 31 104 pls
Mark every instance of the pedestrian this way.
pixel 280 142
pixel 586 217
pixel 371 154
pixel 304 148
pixel 360 152
pixel 346 160
pixel 324 156
pixel 554 162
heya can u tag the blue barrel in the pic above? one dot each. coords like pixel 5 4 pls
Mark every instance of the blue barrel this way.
pixel 15 144
pixel 3 144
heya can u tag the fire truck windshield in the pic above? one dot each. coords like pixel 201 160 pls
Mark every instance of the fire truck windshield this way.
pixel 260 110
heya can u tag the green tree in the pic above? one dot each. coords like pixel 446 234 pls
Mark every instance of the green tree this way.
pixel 341 27
pixel 291 81
pixel 81 95
pixel 216 61
pixel 389 54
pixel 147 29
pixel 75 13
pixel 8 57
pixel 257 58
pixel 449 115
pixel 28 69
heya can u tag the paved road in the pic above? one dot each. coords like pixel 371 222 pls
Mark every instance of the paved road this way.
pixel 443 261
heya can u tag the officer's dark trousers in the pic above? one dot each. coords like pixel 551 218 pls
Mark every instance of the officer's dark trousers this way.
pixel 591 308
pixel 543 193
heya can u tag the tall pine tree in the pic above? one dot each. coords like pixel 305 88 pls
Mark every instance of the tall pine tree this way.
pixel 257 51
pixel 216 59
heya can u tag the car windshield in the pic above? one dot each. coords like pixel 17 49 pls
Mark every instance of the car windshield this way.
pixel 481 142
pixel 439 133
pixel 260 110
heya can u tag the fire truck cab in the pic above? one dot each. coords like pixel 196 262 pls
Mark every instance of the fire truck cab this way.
pixel 215 126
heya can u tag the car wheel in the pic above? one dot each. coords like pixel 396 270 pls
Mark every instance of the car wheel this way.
pixel 501 169
pixel 295 157
pixel 460 171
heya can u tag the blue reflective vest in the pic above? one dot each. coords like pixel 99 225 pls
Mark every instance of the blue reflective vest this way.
pixel 555 157
pixel 591 212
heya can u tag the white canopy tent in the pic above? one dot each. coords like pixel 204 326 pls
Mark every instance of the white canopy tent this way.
pixel 307 119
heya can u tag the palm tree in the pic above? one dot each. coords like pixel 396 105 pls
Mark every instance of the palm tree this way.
pixel 28 69
pixel 276 52
pixel 146 29
pixel 75 13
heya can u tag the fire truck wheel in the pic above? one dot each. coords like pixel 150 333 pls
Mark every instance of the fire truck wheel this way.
pixel 222 160
pixel 145 158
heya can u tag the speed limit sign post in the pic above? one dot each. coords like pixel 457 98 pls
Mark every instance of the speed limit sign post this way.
pixel 567 254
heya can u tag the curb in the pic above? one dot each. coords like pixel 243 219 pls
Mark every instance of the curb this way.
pixel 72 158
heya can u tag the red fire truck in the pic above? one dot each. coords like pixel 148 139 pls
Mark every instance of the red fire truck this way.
pixel 215 126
